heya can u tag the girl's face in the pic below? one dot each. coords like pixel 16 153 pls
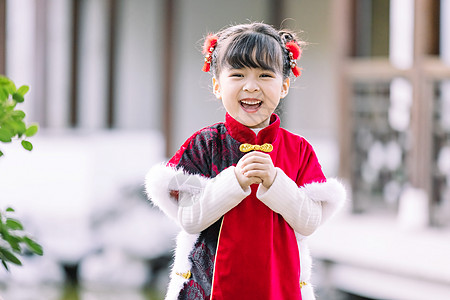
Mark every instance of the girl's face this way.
pixel 250 95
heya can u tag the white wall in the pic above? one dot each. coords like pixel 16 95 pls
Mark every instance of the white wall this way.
pixel 139 80
pixel 93 76
pixel 58 68
pixel 20 39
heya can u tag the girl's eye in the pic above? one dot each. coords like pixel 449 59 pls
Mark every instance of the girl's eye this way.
pixel 236 75
pixel 267 75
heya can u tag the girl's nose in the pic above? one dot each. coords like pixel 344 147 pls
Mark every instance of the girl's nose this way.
pixel 251 86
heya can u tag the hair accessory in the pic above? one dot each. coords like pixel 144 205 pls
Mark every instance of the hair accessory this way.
pixel 294 54
pixel 208 48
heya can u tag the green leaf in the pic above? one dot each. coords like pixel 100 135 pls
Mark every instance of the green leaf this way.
pixel 5 232
pixel 5 265
pixel 5 135
pixel 10 106
pixel 17 127
pixel 23 90
pixel 11 87
pixel 1 153
pixel 31 130
pixel 14 224
pixel 4 80
pixel 8 256
pixel 3 94
pixel 27 145
pixel 18 97
pixel 35 247
pixel 18 115
pixel 10 209
pixel 14 242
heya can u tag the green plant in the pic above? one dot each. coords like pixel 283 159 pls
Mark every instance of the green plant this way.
pixel 13 240
pixel 12 233
pixel 12 123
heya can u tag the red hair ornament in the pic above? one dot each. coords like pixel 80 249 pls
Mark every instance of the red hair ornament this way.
pixel 208 48
pixel 294 54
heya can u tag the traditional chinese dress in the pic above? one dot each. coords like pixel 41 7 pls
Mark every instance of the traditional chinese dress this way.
pixel 235 243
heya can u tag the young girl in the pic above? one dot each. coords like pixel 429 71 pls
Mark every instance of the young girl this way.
pixel 246 191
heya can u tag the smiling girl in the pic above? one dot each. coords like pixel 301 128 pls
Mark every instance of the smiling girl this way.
pixel 245 192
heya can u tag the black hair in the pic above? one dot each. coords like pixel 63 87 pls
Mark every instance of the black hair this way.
pixel 254 45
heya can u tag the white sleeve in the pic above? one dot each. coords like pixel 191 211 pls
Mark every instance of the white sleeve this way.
pixel 219 195
pixel 286 198
pixel 304 208
pixel 201 201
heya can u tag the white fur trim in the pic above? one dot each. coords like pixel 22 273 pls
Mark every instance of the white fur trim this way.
pixel 157 184
pixel 331 193
pixel 305 268
pixel 308 292
pixel 185 244
pixel 305 261
pixel 157 188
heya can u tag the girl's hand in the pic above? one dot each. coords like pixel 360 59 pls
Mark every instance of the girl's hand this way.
pixel 244 181
pixel 257 165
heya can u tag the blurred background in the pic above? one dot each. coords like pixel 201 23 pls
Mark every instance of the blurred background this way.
pixel 117 86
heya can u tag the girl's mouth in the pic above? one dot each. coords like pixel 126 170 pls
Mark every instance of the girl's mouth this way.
pixel 250 106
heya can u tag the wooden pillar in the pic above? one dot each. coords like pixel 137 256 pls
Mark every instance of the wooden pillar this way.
pixel 343 44
pixel 40 88
pixel 111 64
pixel 73 106
pixel 169 31
pixel 420 159
pixel 276 12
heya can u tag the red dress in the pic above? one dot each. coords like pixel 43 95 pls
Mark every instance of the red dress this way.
pixel 251 252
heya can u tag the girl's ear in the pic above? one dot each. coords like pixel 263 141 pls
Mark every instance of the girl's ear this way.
pixel 285 87
pixel 216 88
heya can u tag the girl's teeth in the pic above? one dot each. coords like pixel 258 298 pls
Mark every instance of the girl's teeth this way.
pixel 250 106
pixel 251 102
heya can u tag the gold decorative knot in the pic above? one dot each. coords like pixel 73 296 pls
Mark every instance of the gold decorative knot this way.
pixel 186 275
pixel 249 147
pixel 302 284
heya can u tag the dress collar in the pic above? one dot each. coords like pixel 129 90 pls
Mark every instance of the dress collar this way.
pixel 243 134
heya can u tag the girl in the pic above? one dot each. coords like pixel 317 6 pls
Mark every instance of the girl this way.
pixel 246 191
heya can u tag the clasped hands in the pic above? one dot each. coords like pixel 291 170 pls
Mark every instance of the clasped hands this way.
pixel 254 168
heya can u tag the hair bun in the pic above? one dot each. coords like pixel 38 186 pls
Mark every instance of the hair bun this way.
pixel 287 36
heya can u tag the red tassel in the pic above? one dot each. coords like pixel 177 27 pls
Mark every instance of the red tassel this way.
pixel 296 71
pixel 210 42
pixel 208 48
pixel 206 67
pixel 294 53
pixel 294 48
